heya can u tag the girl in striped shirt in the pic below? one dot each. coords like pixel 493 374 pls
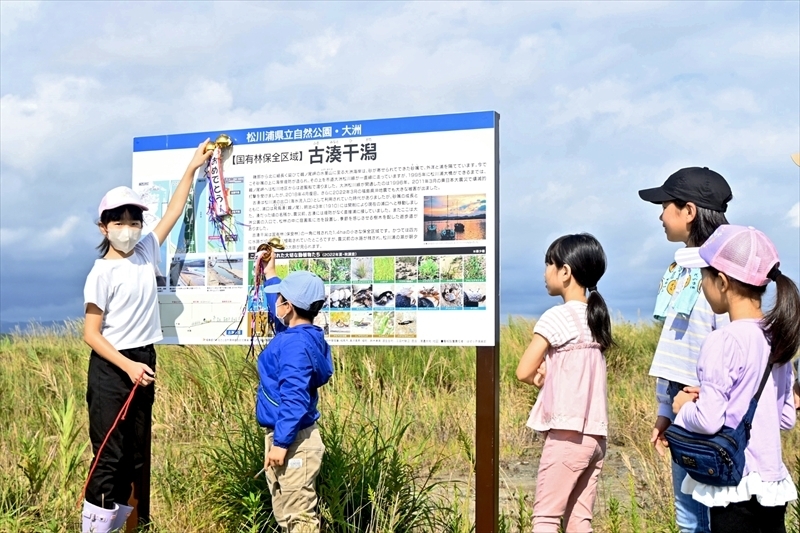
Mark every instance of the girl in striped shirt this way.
pixel 571 407
pixel 693 202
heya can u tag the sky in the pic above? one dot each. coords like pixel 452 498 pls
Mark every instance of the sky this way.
pixel 597 100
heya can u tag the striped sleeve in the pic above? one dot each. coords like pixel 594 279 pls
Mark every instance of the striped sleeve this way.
pixel 663 399
pixel 556 325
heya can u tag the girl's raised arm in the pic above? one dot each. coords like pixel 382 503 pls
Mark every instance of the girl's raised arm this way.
pixel 178 200
pixel 532 359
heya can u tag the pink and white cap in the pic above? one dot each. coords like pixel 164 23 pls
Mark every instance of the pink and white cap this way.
pixel 740 252
pixel 120 196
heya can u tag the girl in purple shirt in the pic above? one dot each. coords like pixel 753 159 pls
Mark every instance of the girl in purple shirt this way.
pixel 738 263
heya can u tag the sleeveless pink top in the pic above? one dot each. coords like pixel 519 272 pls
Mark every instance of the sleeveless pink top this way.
pixel 573 396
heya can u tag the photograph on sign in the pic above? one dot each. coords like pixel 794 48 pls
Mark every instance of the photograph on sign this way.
pixel 396 216
pixel 460 217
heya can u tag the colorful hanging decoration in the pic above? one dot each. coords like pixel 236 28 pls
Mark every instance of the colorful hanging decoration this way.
pixel 259 319
pixel 219 211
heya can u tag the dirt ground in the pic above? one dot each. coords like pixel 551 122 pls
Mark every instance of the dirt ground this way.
pixel 518 480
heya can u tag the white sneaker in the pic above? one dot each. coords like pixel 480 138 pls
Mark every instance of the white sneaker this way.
pixel 96 519
pixel 122 516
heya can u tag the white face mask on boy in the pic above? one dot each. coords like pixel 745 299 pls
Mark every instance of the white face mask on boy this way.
pixel 282 319
pixel 124 239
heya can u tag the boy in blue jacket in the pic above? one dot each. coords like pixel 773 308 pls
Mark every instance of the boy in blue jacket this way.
pixel 295 363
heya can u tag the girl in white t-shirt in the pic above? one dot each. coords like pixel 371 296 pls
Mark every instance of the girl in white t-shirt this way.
pixel 121 325
pixel 569 341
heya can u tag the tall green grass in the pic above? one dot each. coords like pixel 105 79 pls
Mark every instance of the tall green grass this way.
pixel 398 423
pixel 384 269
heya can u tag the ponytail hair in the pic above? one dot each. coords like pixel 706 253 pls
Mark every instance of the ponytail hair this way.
pixel 587 261
pixel 782 322
pixel 599 320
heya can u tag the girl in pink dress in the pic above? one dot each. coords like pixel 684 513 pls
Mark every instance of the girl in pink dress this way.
pixel 569 341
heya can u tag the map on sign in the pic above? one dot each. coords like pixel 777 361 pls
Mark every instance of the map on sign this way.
pixel 397 216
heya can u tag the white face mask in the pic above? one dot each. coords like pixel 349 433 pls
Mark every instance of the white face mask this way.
pixel 282 319
pixel 124 239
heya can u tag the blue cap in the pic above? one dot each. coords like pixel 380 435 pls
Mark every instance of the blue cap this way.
pixel 300 288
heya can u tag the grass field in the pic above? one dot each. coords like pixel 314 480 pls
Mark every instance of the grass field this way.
pixel 398 424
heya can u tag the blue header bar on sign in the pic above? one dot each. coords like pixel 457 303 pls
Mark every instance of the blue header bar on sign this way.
pixel 331 130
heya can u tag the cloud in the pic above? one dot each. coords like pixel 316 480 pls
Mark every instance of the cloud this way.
pixel 794 216
pixel 15 13
pixel 10 236
pixel 736 99
pixel 780 43
pixel 55 115
pixel 56 240
pixel 597 100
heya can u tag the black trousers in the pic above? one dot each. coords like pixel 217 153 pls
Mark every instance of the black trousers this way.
pixel 748 517
pixel 127 446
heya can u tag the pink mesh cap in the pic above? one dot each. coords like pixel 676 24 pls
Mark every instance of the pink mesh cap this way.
pixel 120 196
pixel 740 252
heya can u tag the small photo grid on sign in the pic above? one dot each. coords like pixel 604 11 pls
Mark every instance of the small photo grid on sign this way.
pixel 379 296
pixel 406 296
pixel 383 323
pixel 340 270
pixel 361 323
pixel 361 269
pixel 361 297
pixel 340 322
pixel 383 296
pixel 339 297
pixel 282 268
pixel 428 268
pixel 475 268
pixel 383 269
pixel 452 296
pixel 321 267
pixel 475 296
pixel 225 270
pixel 187 270
pixel 406 268
pixel 297 264
pixel 451 268
pixel 428 296
pixel 405 324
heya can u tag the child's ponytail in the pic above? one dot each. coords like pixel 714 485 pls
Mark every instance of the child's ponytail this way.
pixel 782 322
pixel 599 319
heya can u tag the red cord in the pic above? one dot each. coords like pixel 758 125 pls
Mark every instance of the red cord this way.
pixel 122 414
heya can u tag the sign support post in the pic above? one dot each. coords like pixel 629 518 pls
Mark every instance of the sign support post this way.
pixel 487 436
pixel 487 395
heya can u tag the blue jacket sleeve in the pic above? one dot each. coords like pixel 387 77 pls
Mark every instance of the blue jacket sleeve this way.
pixel 293 383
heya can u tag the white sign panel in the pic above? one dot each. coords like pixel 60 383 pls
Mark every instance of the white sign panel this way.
pixel 397 216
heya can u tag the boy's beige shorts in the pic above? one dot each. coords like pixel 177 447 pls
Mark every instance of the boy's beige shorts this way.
pixel 294 497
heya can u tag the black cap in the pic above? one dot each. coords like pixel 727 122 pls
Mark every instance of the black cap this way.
pixel 701 186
